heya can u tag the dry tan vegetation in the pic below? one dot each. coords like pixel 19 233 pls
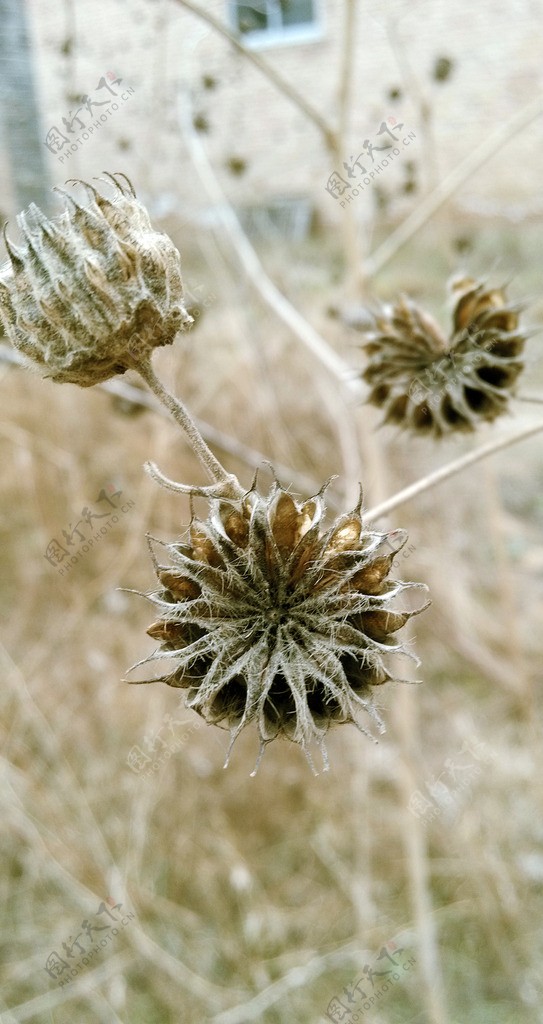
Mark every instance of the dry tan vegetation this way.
pixel 259 899
pixel 264 899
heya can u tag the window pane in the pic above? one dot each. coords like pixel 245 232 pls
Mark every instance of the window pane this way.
pixel 297 12
pixel 252 17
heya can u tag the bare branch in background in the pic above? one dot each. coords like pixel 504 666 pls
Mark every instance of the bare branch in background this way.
pixel 417 95
pixel 139 398
pixel 351 239
pixel 281 306
pixel 427 207
pixel 297 978
pixel 427 482
pixel 280 83
pixel 417 860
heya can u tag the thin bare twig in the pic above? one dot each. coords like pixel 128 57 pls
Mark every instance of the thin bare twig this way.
pixel 427 482
pixel 507 596
pixel 251 263
pixel 426 209
pixel 537 399
pixel 229 484
pixel 416 848
pixel 78 989
pixel 139 398
pixel 279 304
pixel 351 240
pixel 417 95
pixel 280 83
pixel 296 978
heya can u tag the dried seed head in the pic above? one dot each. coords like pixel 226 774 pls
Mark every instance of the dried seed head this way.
pixel 431 386
pixel 90 294
pixel 267 616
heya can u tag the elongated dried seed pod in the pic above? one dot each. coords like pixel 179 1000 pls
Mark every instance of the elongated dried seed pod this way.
pixel 429 385
pixel 93 292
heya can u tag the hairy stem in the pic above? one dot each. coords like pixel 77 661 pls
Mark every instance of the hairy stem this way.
pixel 230 487
pixel 427 482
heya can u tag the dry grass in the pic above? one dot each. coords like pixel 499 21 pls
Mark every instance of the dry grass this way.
pixel 259 899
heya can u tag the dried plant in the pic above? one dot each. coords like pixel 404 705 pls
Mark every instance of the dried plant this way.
pixel 268 616
pixel 266 613
pixel 355 866
pixel 429 385
pixel 94 292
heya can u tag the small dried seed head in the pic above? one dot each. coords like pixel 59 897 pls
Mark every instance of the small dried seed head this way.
pixel 265 615
pixel 92 293
pixel 430 386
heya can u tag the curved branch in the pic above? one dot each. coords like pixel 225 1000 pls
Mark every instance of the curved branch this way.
pixel 425 210
pixel 288 90
pixel 120 388
pixel 252 266
pixel 275 299
pixel 449 470
pixel 182 417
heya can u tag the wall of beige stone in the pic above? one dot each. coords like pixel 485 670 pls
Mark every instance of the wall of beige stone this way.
pixel 161 51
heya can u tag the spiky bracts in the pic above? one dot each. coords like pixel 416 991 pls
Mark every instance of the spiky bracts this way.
pixel 93 292
pixel 429 385
pixel 266 616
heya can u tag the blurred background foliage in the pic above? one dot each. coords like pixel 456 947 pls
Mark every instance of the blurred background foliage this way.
pixel 260 899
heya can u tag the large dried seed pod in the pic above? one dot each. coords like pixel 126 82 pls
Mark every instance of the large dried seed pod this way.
pixel 429 385
pixel 93 292
pixel 266 616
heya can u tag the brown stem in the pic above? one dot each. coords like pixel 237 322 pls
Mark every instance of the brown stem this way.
pixel 229 485
pixel 449 470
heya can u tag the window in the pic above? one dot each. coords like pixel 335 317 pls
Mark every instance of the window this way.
pixel 275 21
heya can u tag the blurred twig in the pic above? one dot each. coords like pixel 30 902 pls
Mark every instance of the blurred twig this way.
pixel 484 661
pixel 280 83
pixel 427 207
pixel 278 303
pixel 416 848
pixel 139 398
pixel 449 470
pixel 176 970
pixel 508 600
pixel 84 985
pixel 416 93
pixel 250 456
pixel 351 242
pixel 51 748
pixel 297 978
pixel 252 264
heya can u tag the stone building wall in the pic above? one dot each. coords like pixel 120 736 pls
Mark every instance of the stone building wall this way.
pixel 260 144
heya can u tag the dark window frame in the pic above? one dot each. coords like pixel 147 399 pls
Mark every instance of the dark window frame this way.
pixel 276 31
